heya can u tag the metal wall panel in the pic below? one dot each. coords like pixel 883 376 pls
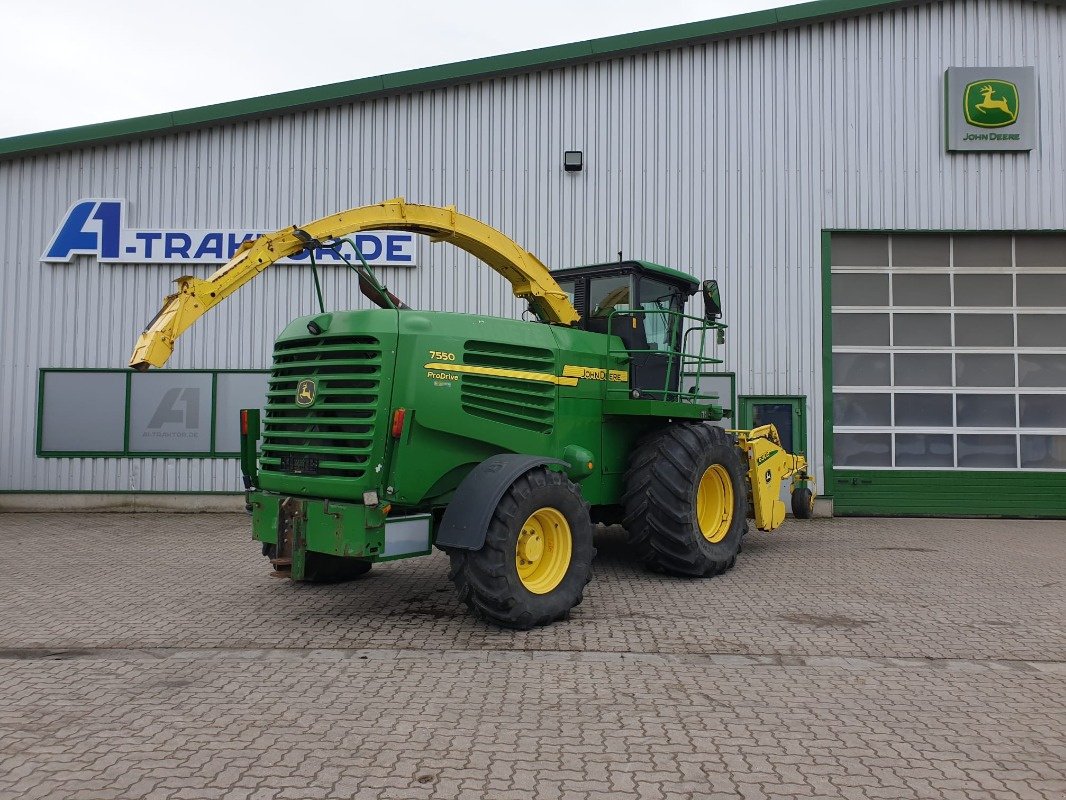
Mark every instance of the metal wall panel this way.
pixel 726 159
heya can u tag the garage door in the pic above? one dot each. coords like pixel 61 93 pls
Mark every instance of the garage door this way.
pixel 948 374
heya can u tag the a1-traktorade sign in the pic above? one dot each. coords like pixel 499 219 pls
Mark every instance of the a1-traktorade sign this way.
pixel 97 226
pixel 991 108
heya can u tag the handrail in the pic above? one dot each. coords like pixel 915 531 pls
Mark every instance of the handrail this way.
pixel 683 359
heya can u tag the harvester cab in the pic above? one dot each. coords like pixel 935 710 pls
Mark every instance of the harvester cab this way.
pixel 640 303
pixel 388 431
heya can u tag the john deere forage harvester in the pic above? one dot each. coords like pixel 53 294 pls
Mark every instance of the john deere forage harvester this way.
pixel 389 431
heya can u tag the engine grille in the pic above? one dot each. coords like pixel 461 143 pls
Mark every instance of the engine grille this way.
pixel 512 401
pixel 334 436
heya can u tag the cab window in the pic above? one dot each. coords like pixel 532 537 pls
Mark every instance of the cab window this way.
pixel 662 329
pixel 568 287
pixel 609 294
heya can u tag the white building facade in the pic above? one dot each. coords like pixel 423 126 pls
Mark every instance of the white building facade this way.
pixel 903 302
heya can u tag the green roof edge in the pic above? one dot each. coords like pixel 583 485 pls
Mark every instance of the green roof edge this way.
pixel 429 77
pixel 670 272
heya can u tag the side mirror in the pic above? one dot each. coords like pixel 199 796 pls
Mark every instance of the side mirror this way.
pixel 712 301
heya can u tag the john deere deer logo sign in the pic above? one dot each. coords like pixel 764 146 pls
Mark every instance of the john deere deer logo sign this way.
pixel 990 109
pixel 991 104
pixel 305 392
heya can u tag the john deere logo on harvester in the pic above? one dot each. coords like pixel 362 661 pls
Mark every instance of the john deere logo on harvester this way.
pixel 305 392
pixel 991 103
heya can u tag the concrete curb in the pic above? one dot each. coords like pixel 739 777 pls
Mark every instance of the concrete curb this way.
pixel 123 503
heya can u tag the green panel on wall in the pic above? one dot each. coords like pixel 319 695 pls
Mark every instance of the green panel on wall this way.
pixel 931 493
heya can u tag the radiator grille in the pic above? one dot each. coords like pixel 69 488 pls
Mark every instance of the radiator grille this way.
pixel 334 436
pixel 527 404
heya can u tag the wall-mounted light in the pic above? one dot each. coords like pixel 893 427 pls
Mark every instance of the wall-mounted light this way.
pixel 573 161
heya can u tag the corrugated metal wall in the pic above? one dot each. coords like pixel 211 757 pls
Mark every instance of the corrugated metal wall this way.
pixel 726 159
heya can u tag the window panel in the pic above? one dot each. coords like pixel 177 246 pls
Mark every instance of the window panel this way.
pixel 609 294
pixel 1038 369
pixel 568 287
pixel 83 411
pixel 1040 251
pixel 861 369
pixel 921 330
pixel 920 250
pixel 984 290
pixel 933 410
pixel 1042 410
pixel 234 391
pixel 921 290
pixel 860 329
pixel 987 450
pixel 1042 330
pixel 780 415
pixel 859 250
pixel 983 251
pixel 170 412
pixel 985 410
pixel 862 409
pixel 923 369
pixel 1048 452
pixel 924 450
pixel 984 369
pixel 984 330
pixel 1042 290
pixel 709 384
pixel 655 298
pixel 862 449
pixel 859 289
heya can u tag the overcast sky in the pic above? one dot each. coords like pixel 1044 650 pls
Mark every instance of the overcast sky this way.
pixel 72 62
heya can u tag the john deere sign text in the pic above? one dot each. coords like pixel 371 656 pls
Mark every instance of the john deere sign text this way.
pixel 991 108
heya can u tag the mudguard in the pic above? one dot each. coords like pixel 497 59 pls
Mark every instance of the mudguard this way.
pixel 466 519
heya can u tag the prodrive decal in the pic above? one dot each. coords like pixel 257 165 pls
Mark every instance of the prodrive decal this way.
pixel 97 227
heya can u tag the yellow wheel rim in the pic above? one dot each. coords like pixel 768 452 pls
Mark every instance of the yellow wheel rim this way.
pixel 543 551
pixel 714 503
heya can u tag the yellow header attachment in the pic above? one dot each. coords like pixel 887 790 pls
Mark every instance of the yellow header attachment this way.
pixel 768 465
pixel 529 278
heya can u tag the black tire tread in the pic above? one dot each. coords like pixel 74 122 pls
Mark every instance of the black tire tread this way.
pixel 325 568
pixel 486 580
pixel 802 499
pixel 660 498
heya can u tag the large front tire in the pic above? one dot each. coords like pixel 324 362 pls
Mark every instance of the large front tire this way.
pixel 537 555
pixel 685 500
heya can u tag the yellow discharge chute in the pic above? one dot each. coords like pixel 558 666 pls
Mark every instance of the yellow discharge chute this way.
pixel 529 278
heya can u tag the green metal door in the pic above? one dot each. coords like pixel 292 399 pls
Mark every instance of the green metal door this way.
pixel 787 412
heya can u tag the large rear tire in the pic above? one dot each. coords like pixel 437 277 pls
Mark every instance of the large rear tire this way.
pixel 537 555
pixel 321 567
pixel 325 568
pixel 685 500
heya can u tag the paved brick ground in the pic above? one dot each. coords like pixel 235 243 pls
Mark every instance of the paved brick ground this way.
pixel 154 656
